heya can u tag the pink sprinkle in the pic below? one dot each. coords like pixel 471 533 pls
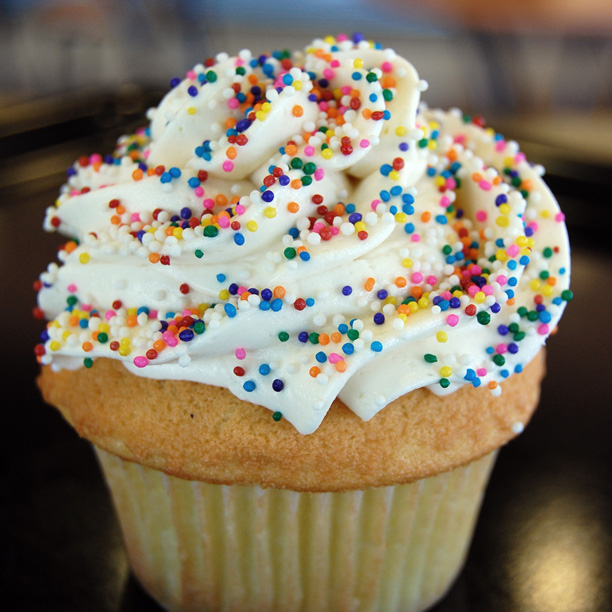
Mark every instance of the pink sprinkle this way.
pixel 169 338
pixel 432 280
pixel 95 158
pixel 513 250
pixel 445 201
pixel 153 314
pixel 71 288
pixel 224 221
pixel 415 237
pixel 328 73
pixel 346 90
pixel 323 105
pixel 335 64
pixel 334 358
pixel 473 290
pixel 317 227
pixel 199 192
pixel 240 209
pixel 501 348
pixel 481 371
pixel 309 151
pixel 519 157
pixel 481 216
pixel 501 279
pixel 416 277
pixel 141 361
pixel 451 183
pixel 334 230
pixel 446 295
pixel 191 74
pixel 241 290
pixel 228 165
pixel 208 203
pixel 233 103
pixel 452 320
pixel 543 329
pixel 319 174
pixel 364 143
pixel 239 61
pixel 560 217
pixel 487 290
pixel 500 145
pixel 135 217
pixel 534 226
pixel 460 138
pixel 341 37
pixel 87 307
pixel 109 314
pixel 240 353
pixel 475 269
pixel 484 185
pixel 387 67
pixel 375 204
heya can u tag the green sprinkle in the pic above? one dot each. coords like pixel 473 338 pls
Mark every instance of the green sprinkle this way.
pixel 88 362
pixel 353 334
pixel 371 77
pixel 199 327
pixel 306 180
pixel 444 383
pixel 199 254
pixel 290 253
pixel 313 338
pixel 387 95
pixel 422 143
pixel 522 311
pixel 71 300
pixel 518 336
pixel 567 295
pixel 210 231
pixel 499 360
pixel 309 168
pixel 277 416
pixel 532 315
pixel 211 76
pixel 547 252
pixel 429 358
pixel 283 336
pixel 484 318
pixel 296 163
pixel 102 337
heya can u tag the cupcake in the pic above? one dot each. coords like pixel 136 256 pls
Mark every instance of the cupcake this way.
pixel 297 316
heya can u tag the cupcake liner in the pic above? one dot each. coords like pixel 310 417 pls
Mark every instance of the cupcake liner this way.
pixel 205 547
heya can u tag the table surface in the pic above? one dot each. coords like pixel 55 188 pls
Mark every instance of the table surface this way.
pixel 544 539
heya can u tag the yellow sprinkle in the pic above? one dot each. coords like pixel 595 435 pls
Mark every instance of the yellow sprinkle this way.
pixel 270 212
pixel 501 255
pixel 326 153
pixel 545 214
pixel 407 263
pixel 360 226
pixel 84 258
pixel 547 290
pixel 329 133
pixel 358 63
pixel 191 110
pixel 252 226
pixel 423 302
pixel 434 125
pixel 439 181
pixel 124 350
pixel 265 107
pixel 390 300
pixel 401 217
pixel 297 85
pixel 521 241
pixel 502 221
pixel 441 336
pixel 394 175
pixel 413 306
pixel 65 335
pixel 132 311
pixel 177 232
pixel 535 284
pixel 124 341
pixel 260 115
pixel 224 294
pixel 480 297
pixel 401 131
pixel 525 251
pixel 509 162
pixel 432 144
pixel 504 209
pixel 104 328
pixel 530 243
pixel 402 316
pixel 54 345
pixel 446 371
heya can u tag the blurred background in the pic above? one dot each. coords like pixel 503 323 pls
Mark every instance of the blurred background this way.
pixel 75 75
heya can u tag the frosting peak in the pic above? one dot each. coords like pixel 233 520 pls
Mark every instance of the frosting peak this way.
pixel 295 227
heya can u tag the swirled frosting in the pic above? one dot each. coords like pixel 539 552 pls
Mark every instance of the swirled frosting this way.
pixel 296 227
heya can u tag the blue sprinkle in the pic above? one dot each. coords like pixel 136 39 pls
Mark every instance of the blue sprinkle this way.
pixel 266 294
pixel 276 304
pixel 376 346
pixel 348 348
pixel 278 385
pixel 186 335
pixel 321 357
pixel 220 277
pixel 230 310
pixel 310 301
pixel 379 318
pixel 249 386
pixel 264 369
pixel 347 290
pixel 343 328
pixel 238 238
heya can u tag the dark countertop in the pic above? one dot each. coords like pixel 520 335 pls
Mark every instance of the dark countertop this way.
pixel 544 539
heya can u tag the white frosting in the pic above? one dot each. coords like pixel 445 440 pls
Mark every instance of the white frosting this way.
pixel 367 303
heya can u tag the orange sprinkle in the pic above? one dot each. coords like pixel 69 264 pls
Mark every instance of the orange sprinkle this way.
pixel 452 155
pixel 230 152
pixel 70 246
pixel 497 180
pixel 477 177
pixel 388 82
pixel 551 280
pixel 339 208
pixel 173 329
pixel 87 346
pixel 293 207
pixel 137 174
pixel 297 111
pixel 417 292
pixel 120 209
pixel 154 257
pixel 355 93
pixel 403 309
pixel 73 321
pixel 492 384
pixel 426 216
pixel 115 220
pixel 336 337
pixel 235 199
pixel 323 339
pixel 314 371
pixel 300 249
pixel 332 112
pixel 279 291
pixel 341 366
pixel 527 184
pixel 400 281
pixel 291 149
pixel 150 171
pixel 366 113
pixel 221 200
pixel 510 302
pixel 252 78
pixel 369 284
pixel 230 122
pixel 132 320
pixel 296 183
pixel 340 120
pixel 159 345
